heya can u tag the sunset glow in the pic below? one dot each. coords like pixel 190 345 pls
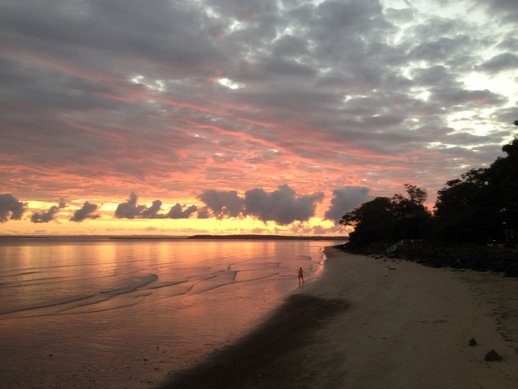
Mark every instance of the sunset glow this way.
pixel 223 117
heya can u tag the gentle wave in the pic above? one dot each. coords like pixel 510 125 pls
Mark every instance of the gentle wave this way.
pixel 134 284
pixel 120 296
pixel 33 282
pixel 206 288
pixel 87 286
pixel 51 304
pixel 68 303
pixel 166 284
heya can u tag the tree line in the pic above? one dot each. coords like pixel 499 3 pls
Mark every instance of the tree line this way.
pixel 479 207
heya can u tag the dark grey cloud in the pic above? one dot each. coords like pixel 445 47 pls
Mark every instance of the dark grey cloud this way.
pixel 223 203
pixel 10 208
pixel 433 27
pixel 115 27
pixel 289 46
pixel 506 116
pixel 127 91
pixel 178 211
pixel 203 213
pixel 129 209
pixel 281 206
pixel 467 139
pixel 504 61
pixel 350 16
pixel 152 212
pixel 506 9
pixel 462 97
pixel 27 85
pixel 403 15
pixel 63 57
pixel 345 200
pixel 85 212
pixel 437 75
pixel 132 210
pixel 286 68
pixel 383 120
pixel 509 42
pixel 441 50
pixel 47 216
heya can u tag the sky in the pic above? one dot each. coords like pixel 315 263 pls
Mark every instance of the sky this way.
pixel 258 116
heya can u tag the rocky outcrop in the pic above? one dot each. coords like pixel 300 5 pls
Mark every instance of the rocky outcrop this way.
pixel 438 254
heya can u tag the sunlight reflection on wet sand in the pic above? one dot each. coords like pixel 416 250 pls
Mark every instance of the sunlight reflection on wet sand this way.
pixel 127 313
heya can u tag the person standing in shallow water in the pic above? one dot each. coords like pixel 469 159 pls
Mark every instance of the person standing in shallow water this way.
pixel 301 276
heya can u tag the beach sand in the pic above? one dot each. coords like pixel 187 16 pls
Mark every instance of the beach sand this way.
pixel 377 323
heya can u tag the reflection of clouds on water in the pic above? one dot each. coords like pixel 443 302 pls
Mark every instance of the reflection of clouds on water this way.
pixel 128 291
pixel 87 286
pixel 91 301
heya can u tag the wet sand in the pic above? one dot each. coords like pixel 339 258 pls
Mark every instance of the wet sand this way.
pixel 377 323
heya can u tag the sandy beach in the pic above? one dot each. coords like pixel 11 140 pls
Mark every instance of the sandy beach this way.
pixel 377 323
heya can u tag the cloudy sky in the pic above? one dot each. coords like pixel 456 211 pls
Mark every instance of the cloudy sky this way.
pixel 185 116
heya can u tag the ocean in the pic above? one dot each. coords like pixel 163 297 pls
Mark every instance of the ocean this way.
pixel 127 313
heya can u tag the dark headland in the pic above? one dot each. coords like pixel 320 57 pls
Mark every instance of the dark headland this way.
pixel 267 237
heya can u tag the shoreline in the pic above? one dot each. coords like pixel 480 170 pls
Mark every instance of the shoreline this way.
pixel 373 323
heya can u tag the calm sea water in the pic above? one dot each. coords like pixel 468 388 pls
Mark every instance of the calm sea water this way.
pixel 127 313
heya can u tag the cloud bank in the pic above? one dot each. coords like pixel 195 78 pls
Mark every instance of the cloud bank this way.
pixel 173 98
pixel 132 210
pixel 85 212
pixel 10 208
pixel 178 211
pixel 282 206
pixel 223 203
pixel 346 199
pixel 49 215
pixel 129 209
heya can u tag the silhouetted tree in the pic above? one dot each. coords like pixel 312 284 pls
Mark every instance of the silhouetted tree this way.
pixel 388 219
pixel 465 208
pixel 411 214
pixel 371 221
pixel 482 205
pixel 479 207
pixel 503 174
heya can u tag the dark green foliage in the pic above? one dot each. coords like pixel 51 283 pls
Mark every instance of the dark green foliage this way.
pixel 388 219
pixel 372 221
pixel 504 175
pixel 481 206
pixel 463 211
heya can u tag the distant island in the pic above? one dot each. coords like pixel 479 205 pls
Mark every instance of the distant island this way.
pixel 267 237
pixel 233 237
pixel 169 237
